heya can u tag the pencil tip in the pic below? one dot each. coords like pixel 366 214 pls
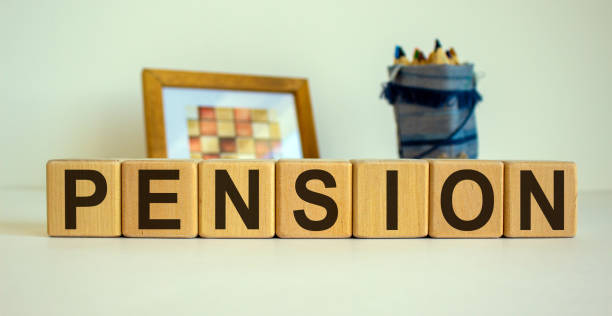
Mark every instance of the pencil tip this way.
pixel 399 52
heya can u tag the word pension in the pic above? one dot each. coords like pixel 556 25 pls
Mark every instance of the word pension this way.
pixel 311 198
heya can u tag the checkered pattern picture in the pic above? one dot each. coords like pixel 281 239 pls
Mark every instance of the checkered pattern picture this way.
pixel 222 132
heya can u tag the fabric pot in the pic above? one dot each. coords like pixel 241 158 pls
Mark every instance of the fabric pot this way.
pixel 434 110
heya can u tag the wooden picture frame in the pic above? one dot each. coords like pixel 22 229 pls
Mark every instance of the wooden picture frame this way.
pixel 154 80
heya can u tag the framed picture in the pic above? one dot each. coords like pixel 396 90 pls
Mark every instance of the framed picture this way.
pixel 211 115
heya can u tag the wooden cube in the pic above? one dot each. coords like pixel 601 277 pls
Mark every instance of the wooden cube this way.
pixel 237 198
pixel 390 198
pixel 84 198
pixel 540 199
pixel 313 198
pixel 160 198
pixel 466 198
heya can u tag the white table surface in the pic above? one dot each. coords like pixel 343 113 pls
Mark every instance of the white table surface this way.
pixel 40 275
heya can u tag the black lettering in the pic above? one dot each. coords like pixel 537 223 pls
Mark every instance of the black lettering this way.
pixel 249 214
pixel 391 199
pixel 446 200
pixel 317 199
pixel 72 201
pixel 145 198
pixel 554 214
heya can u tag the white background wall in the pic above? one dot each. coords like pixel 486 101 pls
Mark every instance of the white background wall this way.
pixel 70 72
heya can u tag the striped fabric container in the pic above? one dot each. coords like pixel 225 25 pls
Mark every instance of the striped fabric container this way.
pixel 434 110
